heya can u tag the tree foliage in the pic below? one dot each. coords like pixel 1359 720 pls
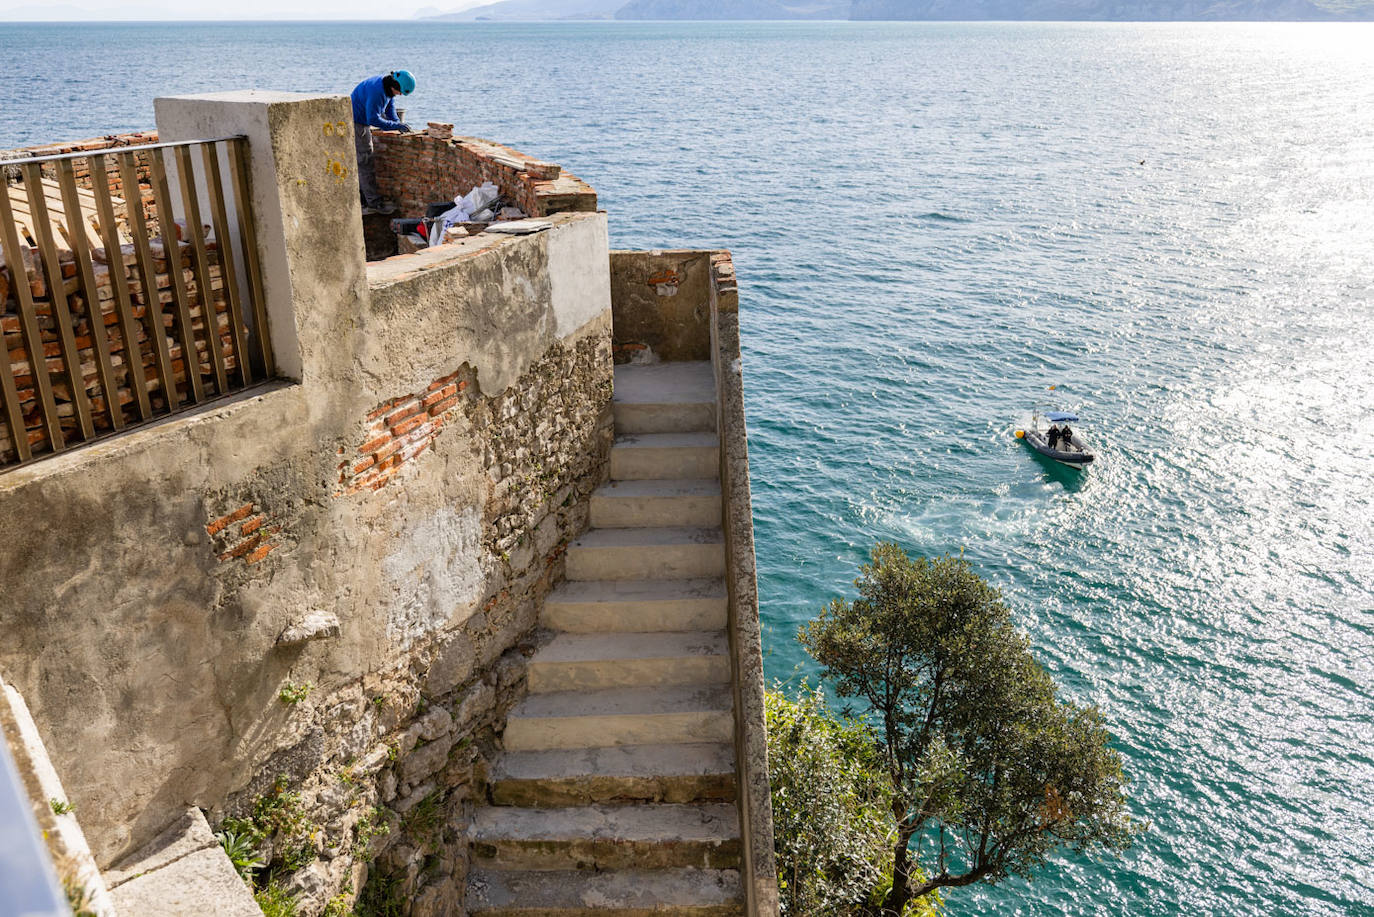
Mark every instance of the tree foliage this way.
pixel 990 771
pixel 832 809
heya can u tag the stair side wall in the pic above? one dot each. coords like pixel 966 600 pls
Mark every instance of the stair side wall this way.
pixel 746 635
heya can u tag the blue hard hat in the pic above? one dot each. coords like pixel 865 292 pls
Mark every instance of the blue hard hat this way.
pixel 406 81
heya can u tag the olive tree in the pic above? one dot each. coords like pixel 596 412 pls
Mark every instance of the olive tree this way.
pixel 832 809
pixel 990 770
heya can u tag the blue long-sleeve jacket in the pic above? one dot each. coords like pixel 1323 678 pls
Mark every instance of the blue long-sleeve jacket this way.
pixel 372 106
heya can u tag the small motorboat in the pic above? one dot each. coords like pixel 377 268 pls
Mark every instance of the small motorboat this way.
pixel 1067 448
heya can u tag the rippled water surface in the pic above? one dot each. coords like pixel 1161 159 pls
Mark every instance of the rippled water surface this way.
pixel 1174 224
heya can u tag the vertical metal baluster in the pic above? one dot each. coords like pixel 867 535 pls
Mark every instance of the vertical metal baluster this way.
pixel 28 324
pixel 171 249
pixel 9 391
pixel 42 229
pixel 114 260
pixel 248 236
pixel 227 267
pixel 147 272
pixel 14 417
pixel 209 318
pixel 85 268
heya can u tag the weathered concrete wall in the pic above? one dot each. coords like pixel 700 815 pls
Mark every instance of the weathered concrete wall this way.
pixel 661 302
pixel 170 594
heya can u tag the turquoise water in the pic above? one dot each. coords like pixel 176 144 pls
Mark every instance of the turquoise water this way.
pixel 1173 224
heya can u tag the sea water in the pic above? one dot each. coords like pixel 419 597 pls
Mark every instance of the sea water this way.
pixel 1172 225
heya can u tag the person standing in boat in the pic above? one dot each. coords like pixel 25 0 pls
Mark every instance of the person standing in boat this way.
pixel 1052 437
pixel 1066 436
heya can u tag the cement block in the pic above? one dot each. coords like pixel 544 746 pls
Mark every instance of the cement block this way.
pixel 630 893
pixel 659 456
pixel 654 836
pixel 647 553
pixel 632 773
pixel 182 871
pixel 624 503
pixel 637 605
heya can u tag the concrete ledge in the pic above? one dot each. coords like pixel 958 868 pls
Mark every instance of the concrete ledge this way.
pixel 181 871
pixel 492 301
pixel 399 268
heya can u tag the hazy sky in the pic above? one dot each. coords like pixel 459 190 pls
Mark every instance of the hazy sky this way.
pixel 85 10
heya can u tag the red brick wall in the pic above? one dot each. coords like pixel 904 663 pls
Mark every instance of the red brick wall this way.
pixel 81 166
pixel 399 430
pixel 245 532
pixel 416 169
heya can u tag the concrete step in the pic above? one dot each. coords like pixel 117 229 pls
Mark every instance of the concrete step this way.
pixel 637 605
pixel 624 893
pixel 621 716
pixel 654 836
pixel 683 501
pixel 593 662
pixel 647 553
pixel 662 456
pixel 664 398
pixel 628 774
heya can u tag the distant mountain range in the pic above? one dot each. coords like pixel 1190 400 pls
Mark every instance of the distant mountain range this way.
pixel 946 10
pixel 531 11
pixel 1108 10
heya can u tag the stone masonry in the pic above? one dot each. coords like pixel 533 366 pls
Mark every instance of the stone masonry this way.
pixel 389 766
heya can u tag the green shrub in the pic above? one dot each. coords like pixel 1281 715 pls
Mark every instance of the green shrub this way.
pixel 278 837
pixel 241 848
pixel 370 827
pixel 425 822
pixel 833 826
pixel 276 901
pixel 381 897
pixel 338 905
pixel 292 694
pixel 983 758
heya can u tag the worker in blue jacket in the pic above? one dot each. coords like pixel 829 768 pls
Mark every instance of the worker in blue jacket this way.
pixel 374 105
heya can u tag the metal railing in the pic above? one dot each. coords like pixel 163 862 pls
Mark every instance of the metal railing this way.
pixel 122 302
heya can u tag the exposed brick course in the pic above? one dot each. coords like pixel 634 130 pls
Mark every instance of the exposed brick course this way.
pixel 398 431
pixel 418 169
pixel 223 522
pixel 243 533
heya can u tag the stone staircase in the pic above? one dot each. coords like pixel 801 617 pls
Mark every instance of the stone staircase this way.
pixel 616 791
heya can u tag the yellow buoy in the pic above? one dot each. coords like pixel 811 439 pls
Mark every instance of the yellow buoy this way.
pixel 1020 434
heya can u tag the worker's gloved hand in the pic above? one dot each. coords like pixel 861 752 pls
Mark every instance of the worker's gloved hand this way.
pixel 404 128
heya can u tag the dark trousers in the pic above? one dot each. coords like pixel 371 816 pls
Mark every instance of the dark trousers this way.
pixel 367 171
